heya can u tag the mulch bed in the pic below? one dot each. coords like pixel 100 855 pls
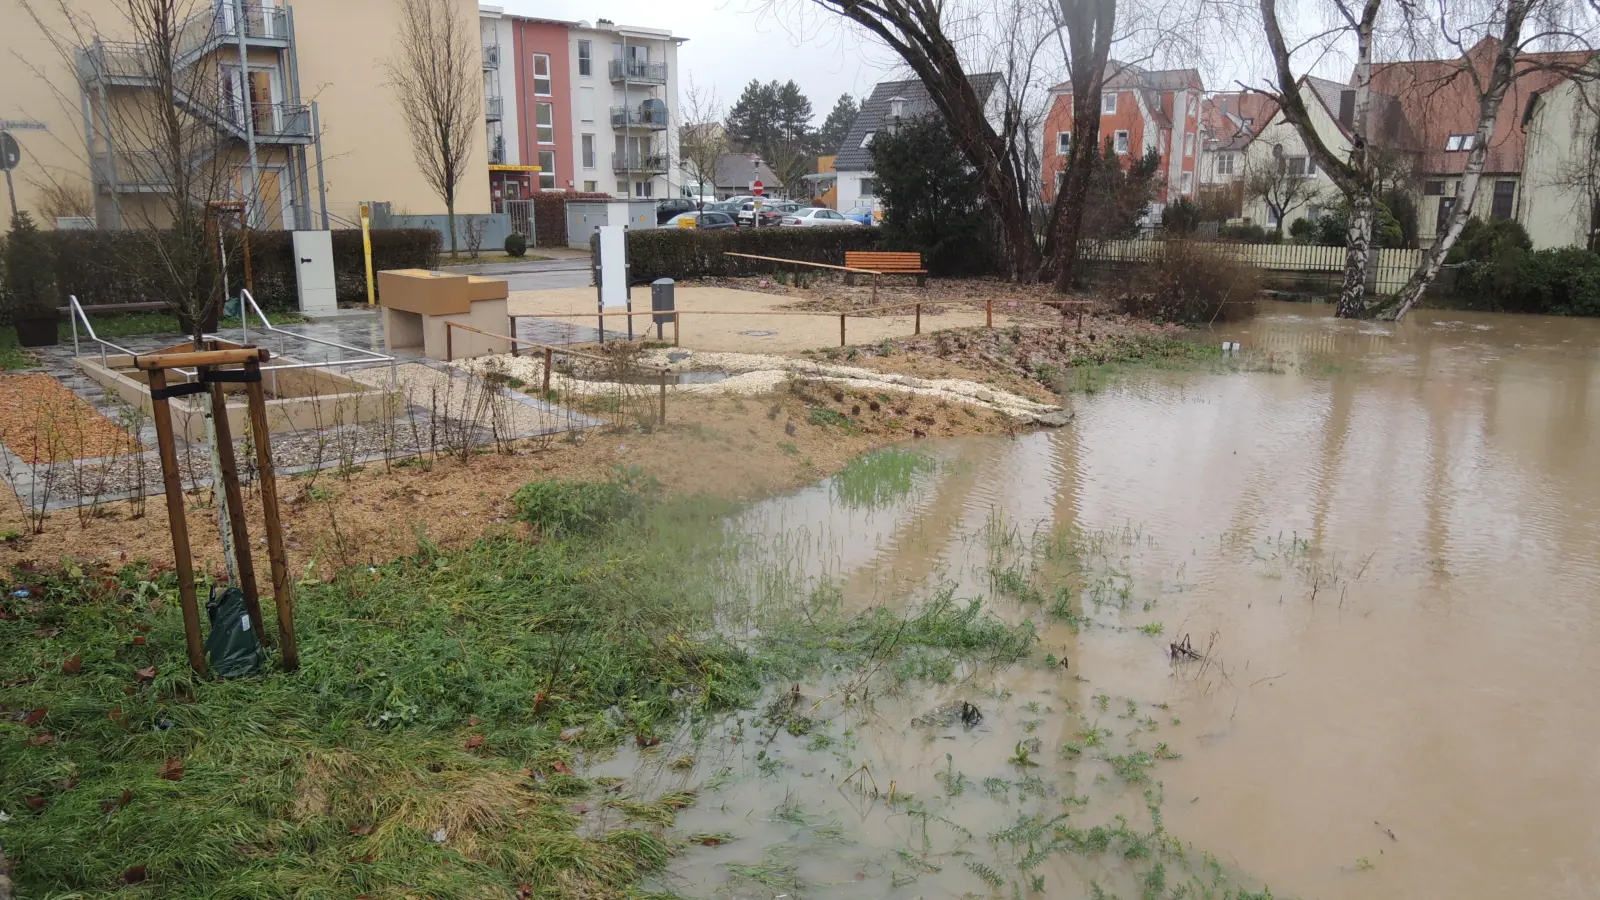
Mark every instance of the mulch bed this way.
pixel 42 420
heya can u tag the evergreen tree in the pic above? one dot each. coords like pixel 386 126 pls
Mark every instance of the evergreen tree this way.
pixel 837 125
pixel 753 122
pixel 932 200
pixel 794 113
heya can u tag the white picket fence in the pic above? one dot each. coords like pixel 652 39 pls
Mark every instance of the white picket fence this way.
pixel 1392 269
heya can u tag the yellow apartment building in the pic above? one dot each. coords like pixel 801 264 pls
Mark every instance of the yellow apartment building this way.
pixel 283 110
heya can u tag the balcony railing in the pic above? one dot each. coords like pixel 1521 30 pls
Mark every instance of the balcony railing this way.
pixel 639 162
pixel 638 70
pixel 276 120
pixel 497 152
pixel 491 56
pixel 492 108
pixel 259 21
pixel 636 117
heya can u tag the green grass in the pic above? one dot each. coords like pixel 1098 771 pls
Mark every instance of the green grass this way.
pixel 428 744
pixel 879 478
pixel 12 356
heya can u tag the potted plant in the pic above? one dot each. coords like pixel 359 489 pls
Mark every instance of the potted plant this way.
pixel 30 281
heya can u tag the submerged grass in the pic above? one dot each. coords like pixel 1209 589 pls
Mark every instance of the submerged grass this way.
pixel 880 478
pixel 428 745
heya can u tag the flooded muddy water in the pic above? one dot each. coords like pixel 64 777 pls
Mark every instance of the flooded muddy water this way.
pixel 1387 552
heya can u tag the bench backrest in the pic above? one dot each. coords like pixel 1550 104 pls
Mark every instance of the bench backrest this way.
pixel 883 261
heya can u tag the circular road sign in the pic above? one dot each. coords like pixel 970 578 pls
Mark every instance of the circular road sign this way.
pixel 755 186
pixel 10 153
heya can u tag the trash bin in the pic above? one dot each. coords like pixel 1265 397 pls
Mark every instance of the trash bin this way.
pixel 662 300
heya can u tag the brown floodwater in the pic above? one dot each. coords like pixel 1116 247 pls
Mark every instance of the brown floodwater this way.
pixel 1388 549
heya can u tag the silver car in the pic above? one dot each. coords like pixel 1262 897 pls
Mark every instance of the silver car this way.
pixel 817 217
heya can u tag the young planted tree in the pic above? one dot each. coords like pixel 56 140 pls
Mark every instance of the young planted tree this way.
pixel 702 139
pixel 436 72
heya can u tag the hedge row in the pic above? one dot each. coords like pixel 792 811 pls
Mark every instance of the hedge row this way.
pixel 113 267
pixel 682 253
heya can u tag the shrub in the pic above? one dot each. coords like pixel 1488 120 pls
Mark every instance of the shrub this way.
pixel 550 215
pixel 1247 234
pixel 30 281
pixel 1489 258
pixel 1181 217
pixel 932 200
pixel 682 253
pixel 1193 283
pixel 1304 231
pixel 516 244
pixel 1561 282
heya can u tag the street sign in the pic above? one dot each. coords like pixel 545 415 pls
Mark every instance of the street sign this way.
pixel 10 153
pixel 757 188
pixel 22 125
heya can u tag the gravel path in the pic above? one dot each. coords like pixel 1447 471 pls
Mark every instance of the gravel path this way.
pixel 759 374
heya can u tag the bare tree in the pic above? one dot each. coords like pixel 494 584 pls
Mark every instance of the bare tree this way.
pixel 1354 175
pixel 161 143
pixel 436 73
pixel 702 140
pixel 1490 75
pixel 916 31
pixel 1269 180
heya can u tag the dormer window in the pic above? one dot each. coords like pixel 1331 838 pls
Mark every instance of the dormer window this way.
pixel 1458 142
pixel 897 108
pixel 866 139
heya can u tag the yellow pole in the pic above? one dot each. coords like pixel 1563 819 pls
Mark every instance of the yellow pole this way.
pixel 366 248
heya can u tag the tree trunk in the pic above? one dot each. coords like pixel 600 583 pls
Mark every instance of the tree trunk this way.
pixel 1500 78
pixel 450 214
pixel 1089 25
pixel 1358 244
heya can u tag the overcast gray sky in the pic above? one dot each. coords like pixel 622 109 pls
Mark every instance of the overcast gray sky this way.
pixel 731 42
pixel 734 41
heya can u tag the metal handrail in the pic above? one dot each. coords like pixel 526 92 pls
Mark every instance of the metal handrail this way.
pixel 245 297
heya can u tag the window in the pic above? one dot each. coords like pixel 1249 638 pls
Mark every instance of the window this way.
pixel 547 169
pixel 1121 143
pixel 1300 166
pixel 622 188
pixel 1063 142
pixel 541 74
pixel 591 187
pixel 869 187
pixel 1108 104
pixel 1446 204
pixel 644 188
pixel 585 58
pixel 586 104
pixel 1188 145
pixel 1314 213
pixel 1433 189
pixel 544 119
pixel 588 151
pixel 1505 192
pixel 866 139
pixel 1188 183
pixel 1459 142
pixel 1224 163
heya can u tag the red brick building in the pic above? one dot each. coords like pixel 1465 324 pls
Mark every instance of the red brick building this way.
pixel 1140 111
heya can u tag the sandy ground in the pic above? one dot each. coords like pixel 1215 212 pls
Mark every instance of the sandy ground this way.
pixel 705 328
pixel 741 447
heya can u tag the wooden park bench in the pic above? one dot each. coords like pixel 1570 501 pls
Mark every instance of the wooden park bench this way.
pixel 887 263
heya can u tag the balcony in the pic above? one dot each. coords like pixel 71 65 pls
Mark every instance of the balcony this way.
pixel 637 117
pixel 273 123
pixel 638 71
pixel 497 152
pixel 492 109
pixel 269 22
pixel 653 163
pixel 491 57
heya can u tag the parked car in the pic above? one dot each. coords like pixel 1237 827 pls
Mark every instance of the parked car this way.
pixel 704 220
pixel 817 217
pixel 722 206
pixel 673 206
pixel 772 211
pixel 862 214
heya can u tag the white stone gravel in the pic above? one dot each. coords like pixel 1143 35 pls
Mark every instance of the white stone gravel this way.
pixel 760 374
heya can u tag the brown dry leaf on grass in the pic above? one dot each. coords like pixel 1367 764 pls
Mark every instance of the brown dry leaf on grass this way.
pixel 41 420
